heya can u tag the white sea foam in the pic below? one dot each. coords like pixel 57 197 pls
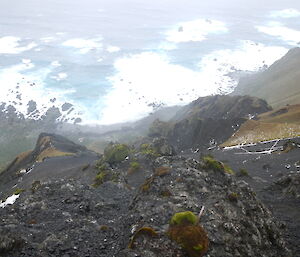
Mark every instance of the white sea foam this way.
pixel 113 49
pixel 276 29
pixel 48 39
pixel 55 64
pixel 285 13
pixel 84 45
pixel 21 84
pixel 28 63
pixel 167 46
pixel 196 30
pixel 60 76
pixel 11 45
pixel 148 77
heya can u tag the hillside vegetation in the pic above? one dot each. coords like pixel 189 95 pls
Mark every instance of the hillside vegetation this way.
pixel 278 85
pixel 280 123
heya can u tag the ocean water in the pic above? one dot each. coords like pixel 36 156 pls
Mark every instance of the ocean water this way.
pixel 117 60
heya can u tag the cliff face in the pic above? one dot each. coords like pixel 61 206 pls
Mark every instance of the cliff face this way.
pixel 278 85
pixel 208 120
pixel 121 204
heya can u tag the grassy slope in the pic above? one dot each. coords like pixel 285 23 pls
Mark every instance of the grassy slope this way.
pixel 279 85
pixel 280 123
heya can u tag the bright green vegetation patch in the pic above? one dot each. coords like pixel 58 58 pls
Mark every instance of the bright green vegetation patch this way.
pixel 233 197
pixel 212 164
pixel 198 247
pixel 116 153
pixel 135 166
pixel 18 191
pixel 186 231
pixel 228 170
pixel 186 217
pixel 148 150
pixel 100 178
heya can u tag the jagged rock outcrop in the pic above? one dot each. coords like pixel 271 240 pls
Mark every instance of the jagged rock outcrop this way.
pixel 53 157
pixel 288 186
pixel 127 210
pixel 208 120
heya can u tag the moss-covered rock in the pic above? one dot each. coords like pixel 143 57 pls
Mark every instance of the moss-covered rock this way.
pixel 148 150
pixel 212 164
pixel 116 153
pixel 182 218
pixel 100 178
pixel 185 230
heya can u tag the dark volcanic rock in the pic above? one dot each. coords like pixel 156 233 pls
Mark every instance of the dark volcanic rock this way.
pixel 53 157
pixel 66 218
pixel 288 185
pixel 31 106
pixel 58 212
pixel 66 106
pixel 61 214
pixel 208 120
pixel 47 145
pixel 235 228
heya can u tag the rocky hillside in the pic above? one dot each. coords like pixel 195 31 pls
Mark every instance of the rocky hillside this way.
pixel 208 120
pixel 272 169
pixel 278 85
pixel 143 201
pixel 276 124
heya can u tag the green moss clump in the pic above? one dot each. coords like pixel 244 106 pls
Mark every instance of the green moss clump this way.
pixel 211 163
pixel 243 173
pixel 147 149
pixel 186 232
pixel 198 247
pixel 101 166
pixel 100 178
pixel 18 191
pixel 116 153
pixel 228 170
pixel 134 166
pixel 233 197
pixel 186 217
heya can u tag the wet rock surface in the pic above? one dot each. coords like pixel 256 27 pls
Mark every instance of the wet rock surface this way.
pixel 69 216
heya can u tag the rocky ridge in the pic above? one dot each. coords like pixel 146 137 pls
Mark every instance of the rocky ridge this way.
pixel 208 121
pixel 89 205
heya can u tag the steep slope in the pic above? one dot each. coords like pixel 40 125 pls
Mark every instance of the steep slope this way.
pixel 208 120
pixel 53 157
pixel 277 124
pixel 278 85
